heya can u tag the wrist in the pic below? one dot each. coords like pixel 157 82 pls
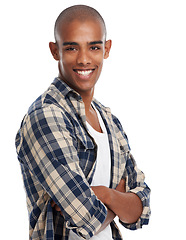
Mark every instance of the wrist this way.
pixel 101 192
pixel 104 194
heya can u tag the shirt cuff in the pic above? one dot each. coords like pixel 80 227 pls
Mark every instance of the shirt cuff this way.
pixel 89 228
pixel 144 218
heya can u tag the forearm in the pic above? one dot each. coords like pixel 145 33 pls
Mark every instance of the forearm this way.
pixel 109 218
pixel 127 206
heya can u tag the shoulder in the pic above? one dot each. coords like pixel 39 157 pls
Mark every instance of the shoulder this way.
pixel 107 111
pixel 50 97
pixel 47 111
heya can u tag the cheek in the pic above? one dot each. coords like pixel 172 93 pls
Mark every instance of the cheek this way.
pixel 100 62
pixel 66 62
pixel 98 59
pixel 66 59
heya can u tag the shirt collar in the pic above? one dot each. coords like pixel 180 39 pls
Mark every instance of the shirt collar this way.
pixel 65 89
pixel 100 107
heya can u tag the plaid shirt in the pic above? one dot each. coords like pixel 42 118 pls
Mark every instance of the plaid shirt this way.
pixel 57 157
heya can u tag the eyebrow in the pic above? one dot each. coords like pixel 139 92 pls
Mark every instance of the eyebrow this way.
pixel 76 44
pixel 70 43
pixel 95 42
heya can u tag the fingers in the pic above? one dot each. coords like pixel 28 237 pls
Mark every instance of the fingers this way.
pixel 56 207
pixel 53 203
pixel 121 186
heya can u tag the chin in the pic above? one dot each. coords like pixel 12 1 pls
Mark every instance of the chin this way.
pixel 84 89
pixel 85 86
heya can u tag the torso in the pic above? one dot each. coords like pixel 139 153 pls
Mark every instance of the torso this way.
pixel 103 163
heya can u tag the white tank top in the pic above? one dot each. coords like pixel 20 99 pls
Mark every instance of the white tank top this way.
pixel 102 171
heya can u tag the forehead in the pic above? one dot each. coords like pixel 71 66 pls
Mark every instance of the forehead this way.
pixel 81 31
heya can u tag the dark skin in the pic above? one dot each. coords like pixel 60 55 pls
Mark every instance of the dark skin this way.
pixel 80 51
pixel 79 48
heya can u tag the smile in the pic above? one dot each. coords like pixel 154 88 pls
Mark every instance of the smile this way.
pixel 84 73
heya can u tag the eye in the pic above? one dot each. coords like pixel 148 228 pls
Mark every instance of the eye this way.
pixel 70 49
pixel 94 48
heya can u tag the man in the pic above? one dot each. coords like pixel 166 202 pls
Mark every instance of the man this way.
pixel 76 163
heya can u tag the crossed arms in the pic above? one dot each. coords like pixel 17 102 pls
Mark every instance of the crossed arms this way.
pixel 127 206
pixel 47 147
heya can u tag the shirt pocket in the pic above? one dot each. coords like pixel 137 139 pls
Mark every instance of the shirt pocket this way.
pixel 87 152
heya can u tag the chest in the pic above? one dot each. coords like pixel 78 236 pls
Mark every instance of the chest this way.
pixel 93 119
pixel 87 150
pixel 103 159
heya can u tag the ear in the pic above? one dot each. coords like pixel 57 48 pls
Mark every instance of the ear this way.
pixel 54 50
pixel 108 45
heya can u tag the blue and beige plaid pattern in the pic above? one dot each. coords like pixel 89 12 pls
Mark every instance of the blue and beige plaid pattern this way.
pixel 57 157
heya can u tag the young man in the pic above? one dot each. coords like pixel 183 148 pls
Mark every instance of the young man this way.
pixel 76 163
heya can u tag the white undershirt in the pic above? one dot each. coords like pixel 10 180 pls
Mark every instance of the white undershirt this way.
pixel 102 171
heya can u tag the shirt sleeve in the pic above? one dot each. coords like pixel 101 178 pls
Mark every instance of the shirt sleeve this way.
pixel 135 184
pixel 47 146
pixel 135 179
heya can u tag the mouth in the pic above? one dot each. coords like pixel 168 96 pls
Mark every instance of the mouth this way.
pixel 84 73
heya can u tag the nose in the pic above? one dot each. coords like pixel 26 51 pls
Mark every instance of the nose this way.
pixel 83 58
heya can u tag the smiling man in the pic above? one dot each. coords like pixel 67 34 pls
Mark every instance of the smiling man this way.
pixel 75 158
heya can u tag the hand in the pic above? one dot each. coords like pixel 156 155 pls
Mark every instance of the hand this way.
pixel 121 186
pixel 105 194
pixel 57 208
pixel 101 192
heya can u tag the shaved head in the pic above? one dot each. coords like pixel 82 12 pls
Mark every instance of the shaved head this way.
pixel 80 47
pixel 78 12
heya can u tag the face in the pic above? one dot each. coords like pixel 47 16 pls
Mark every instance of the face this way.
pixel 80 50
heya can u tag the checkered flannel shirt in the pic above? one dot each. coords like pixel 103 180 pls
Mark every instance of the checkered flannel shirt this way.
pixel 57 157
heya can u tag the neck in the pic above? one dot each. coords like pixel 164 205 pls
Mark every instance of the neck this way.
pixel 87 96
pixel 87 99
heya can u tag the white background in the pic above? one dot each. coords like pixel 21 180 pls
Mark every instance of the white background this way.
pixel 143 82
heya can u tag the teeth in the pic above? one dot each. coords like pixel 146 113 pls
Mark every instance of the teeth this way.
pixel 84 73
